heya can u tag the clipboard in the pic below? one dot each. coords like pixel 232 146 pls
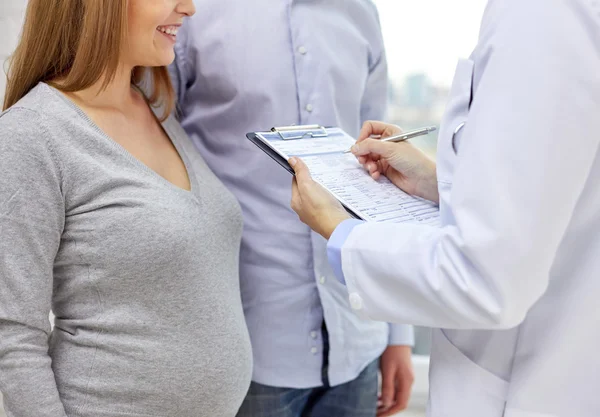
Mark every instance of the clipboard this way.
pixel 287 133
pixel 293 133
pixel 324 150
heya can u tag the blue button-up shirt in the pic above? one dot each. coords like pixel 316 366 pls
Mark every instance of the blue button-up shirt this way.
pixel 243 66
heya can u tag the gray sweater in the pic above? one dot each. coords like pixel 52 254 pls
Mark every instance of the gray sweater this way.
pixel 141 275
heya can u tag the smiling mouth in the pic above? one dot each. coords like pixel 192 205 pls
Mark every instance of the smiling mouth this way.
pixel 169 30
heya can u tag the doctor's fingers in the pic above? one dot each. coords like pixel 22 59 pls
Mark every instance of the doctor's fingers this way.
pixel 370 164
pixel 376 149
pixel 376 170
pixel 375 128
pixel 367 158
pixel 373 166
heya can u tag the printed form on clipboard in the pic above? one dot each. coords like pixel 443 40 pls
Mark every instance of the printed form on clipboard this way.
pixel 322 149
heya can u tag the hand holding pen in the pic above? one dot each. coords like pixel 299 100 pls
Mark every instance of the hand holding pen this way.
pixel 404 165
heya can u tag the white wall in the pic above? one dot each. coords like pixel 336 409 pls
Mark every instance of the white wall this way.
pixel 11 19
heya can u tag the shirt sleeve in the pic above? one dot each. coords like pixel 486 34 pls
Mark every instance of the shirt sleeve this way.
pixel 527 151
pixel 375 98
pixel 32 216
pixel 401 335
pixel 334 246
pixel 180 70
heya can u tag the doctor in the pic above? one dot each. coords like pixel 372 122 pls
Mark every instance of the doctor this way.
pixel 511 278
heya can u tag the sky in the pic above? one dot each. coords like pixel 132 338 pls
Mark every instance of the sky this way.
pixel 429 35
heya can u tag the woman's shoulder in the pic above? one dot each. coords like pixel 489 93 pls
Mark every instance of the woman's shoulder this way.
pixel 36 100
pixel 39 126
pixel 42 114
pixel 41 107
pixel 26 147
pixel 23 122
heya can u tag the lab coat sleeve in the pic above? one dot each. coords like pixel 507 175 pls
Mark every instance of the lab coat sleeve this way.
pixel 526 152
pixel 400 334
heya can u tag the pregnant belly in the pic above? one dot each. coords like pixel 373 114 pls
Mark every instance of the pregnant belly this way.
pixel 193 372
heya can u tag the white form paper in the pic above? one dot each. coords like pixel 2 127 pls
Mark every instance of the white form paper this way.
pixel 348 181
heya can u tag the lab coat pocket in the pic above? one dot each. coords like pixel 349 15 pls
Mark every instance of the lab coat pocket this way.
pixel 460 387
pixel 455 118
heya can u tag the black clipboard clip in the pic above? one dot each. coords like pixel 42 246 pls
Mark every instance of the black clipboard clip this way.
pixel 300 132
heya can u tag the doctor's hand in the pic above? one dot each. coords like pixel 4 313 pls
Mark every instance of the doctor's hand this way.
pixel 315 206
pixel 403 164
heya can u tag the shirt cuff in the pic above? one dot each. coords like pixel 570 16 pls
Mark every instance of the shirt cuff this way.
pixel 401 335
pixel 334 246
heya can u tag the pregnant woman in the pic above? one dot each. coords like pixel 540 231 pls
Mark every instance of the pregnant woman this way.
pixel 110 218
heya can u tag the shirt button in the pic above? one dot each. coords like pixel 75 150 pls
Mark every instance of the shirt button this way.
pixel 322 280
pixel 313 334
pixel 314 351
pixel 309 108
pixel 356 301
pixel 302 50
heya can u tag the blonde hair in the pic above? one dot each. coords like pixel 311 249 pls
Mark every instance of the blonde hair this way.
pixel 77 42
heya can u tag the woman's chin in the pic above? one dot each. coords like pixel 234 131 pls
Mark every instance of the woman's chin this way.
pixel 164 59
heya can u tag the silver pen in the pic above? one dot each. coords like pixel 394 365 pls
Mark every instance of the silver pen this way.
pixel 406 135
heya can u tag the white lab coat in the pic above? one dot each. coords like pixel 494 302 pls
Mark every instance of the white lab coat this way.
pixel 512 277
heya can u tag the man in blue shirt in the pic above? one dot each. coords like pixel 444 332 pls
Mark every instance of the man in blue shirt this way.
pixel 243 66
